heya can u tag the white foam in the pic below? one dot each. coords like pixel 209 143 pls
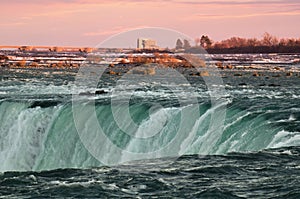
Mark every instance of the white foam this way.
pixel 285 139
pixel 70 184
pixel 154 124
pixel 22 134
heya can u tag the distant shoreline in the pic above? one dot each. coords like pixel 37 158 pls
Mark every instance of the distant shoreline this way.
pixel 73 60
pixel 249 50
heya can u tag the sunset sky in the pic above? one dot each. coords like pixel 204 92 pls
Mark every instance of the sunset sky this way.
pixel 88 22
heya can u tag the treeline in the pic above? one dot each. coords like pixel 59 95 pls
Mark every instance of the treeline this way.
pixel 267 44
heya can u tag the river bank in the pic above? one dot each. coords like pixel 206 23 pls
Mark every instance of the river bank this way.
pixel 119 62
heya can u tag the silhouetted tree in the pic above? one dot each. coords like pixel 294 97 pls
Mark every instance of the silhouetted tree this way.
pixel 186 44
pixel 205 41
pixel 253 42
pixel 291 42
pixel 269 40
pixel 267 44
pixel 179 44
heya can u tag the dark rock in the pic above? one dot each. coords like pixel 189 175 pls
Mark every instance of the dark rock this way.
pixel 99 92
pixel 43 104
pixel 85 93
pixel 274 85
pixel 238 75
pixel 277 75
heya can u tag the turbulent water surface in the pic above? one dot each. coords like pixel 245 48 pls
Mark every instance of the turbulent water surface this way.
pixel 172 142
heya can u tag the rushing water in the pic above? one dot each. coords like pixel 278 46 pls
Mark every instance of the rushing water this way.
pixel 255 154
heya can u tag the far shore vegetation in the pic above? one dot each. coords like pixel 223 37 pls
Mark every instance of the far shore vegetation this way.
pixel 267 44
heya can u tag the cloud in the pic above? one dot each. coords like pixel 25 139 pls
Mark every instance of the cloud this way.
pixel 230 2
pixel 221 16
pixel 36 1
pixel 112 31
pixel 237 2
pixel 59 12
pixel 12 24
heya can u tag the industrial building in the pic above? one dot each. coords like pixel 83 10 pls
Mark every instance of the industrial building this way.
pixel 143 43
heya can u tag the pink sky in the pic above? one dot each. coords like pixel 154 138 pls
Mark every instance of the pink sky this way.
pixel 87 23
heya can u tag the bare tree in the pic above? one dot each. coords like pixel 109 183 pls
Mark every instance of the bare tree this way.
pixel 179 44
pixel 186 44
pixel 269 40
pixel 205 41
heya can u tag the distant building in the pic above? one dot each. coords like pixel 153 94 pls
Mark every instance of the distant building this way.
pixel 143 43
